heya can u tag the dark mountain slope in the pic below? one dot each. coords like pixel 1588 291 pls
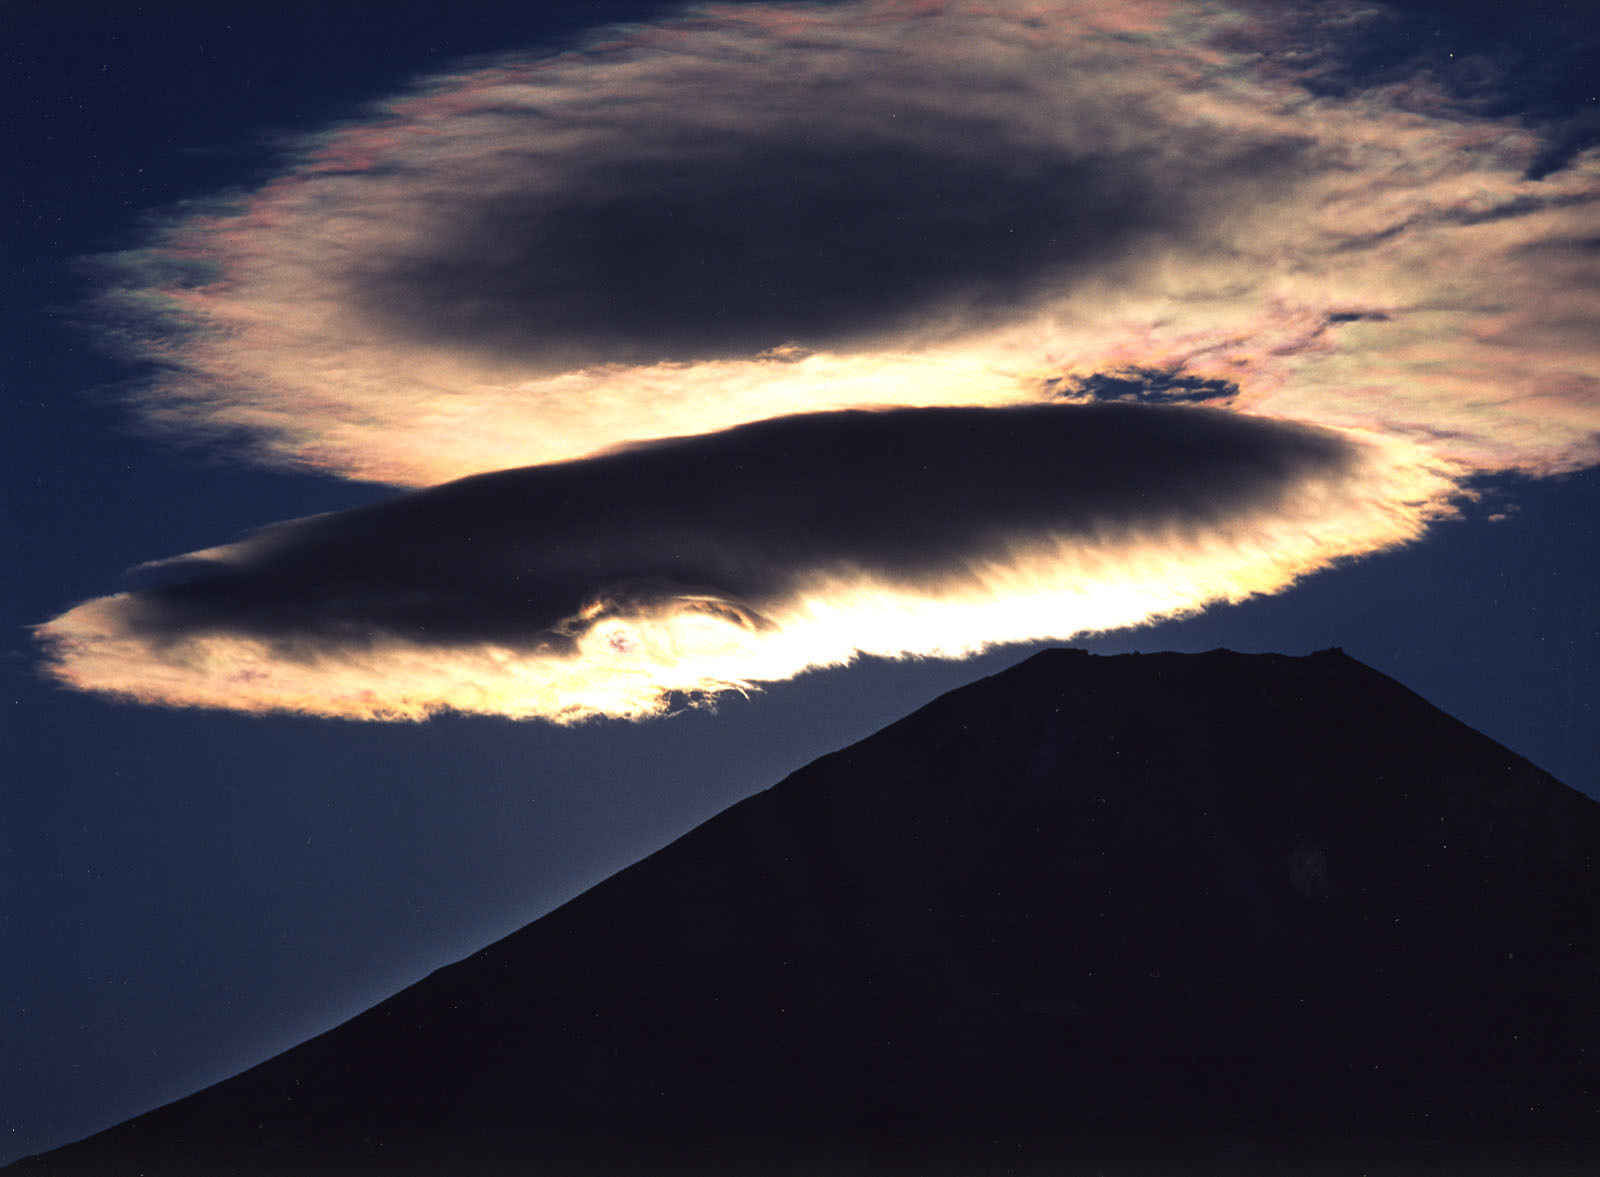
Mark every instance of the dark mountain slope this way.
pixel 1165 913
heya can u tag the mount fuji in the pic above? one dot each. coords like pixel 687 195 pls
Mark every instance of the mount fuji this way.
pixel 1144 914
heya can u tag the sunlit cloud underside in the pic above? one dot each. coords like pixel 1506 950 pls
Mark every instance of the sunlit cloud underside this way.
pixel 546 264
pixel 662 575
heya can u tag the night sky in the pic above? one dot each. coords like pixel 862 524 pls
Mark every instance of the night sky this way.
pixel 1281 319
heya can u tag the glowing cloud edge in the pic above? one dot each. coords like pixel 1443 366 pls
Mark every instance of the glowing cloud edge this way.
pixel 633 660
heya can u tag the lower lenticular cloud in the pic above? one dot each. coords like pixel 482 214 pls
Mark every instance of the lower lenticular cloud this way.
pixel 692 566
pixel 802 331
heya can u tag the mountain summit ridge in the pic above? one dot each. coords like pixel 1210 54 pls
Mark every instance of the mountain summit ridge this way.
pixel 1155 913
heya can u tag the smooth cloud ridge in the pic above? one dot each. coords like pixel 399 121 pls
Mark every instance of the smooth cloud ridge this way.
pixel 678 569
pixel 754 211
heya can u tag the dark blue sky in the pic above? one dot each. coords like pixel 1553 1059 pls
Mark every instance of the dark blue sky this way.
pixel 184 893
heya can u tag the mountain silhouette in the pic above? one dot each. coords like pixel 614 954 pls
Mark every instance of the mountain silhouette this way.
pixel 1145 914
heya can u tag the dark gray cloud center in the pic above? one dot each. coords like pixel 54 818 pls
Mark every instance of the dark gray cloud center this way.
pixel 910 496
pixel 726 248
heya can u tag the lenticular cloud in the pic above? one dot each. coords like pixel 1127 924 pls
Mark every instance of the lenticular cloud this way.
pixel 687 567
pixel 753 211
pixel 797 212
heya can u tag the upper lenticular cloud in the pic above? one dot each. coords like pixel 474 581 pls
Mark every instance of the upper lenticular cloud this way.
pixel 754 211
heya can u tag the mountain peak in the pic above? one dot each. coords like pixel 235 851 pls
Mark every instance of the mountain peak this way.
pixel 1179 913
